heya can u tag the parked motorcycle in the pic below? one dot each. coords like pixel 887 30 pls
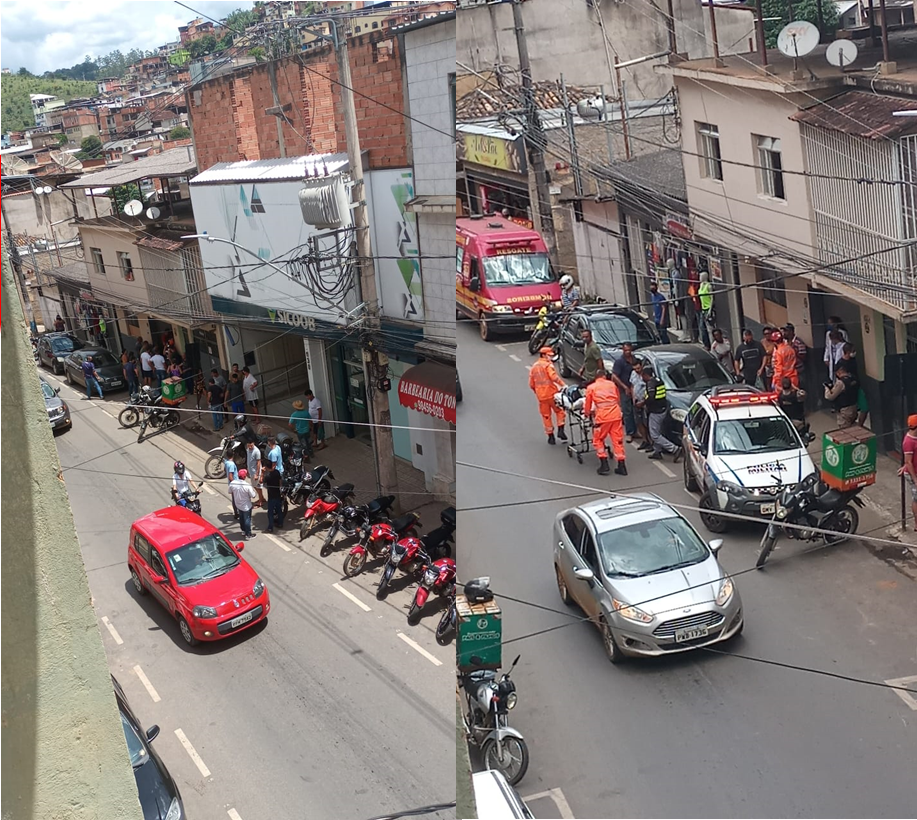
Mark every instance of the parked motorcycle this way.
pixel 486 722
pixel 376 539
pixel 157 415
pixel 351 520
pixel 445 629
pixel 408 555
pixel 189 500
pixel 130 416
pixel 436 543
pixel 547 331
pixel 297 486
pixel 230 446
pixel 321 506
pixel 814 506
pixel 438 578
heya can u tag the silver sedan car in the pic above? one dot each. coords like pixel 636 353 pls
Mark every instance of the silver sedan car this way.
pixel 644 577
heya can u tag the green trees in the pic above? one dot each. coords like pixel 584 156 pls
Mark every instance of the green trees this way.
pixel 180 132
pixel 802 10
pixel 122 194
pixel 90 148
pixel 16 110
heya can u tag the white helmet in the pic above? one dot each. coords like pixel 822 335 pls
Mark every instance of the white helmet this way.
pixel 566 281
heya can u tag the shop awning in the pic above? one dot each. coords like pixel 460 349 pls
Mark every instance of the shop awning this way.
pixel 429 388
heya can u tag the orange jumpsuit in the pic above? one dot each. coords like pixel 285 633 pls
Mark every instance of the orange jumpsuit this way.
pixel 602 396
pixel 543 379
pixel 784 360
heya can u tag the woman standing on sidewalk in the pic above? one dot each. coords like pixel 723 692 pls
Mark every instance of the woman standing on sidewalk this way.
pixel 909 468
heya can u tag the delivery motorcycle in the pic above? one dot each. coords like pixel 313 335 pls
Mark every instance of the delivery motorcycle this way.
pixel 814 507
pixel 486 721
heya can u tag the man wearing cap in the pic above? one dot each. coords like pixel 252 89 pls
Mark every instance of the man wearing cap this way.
pixel 243 496
pixel 301 422
pixel 909 468
pixel 784 361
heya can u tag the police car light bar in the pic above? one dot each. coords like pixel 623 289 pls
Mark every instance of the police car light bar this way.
pixel 726 399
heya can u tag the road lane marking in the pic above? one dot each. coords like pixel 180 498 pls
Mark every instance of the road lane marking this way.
pixel 352 597
pixel 234 815
pixel 111 628
pixel 529 367
pixel 909 699
pixel 208 489
pixel 146 682
pixel 664 469
pixel 278 542
pixel 107 413
pixel 414 645
pixel 192 753
pixel 501 348
pixel 563 807
pixel 514 357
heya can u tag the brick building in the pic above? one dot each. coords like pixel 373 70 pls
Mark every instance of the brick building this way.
pixel 229 124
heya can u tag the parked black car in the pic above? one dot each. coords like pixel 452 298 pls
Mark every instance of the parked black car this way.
pixel 687 371
pixel 111 375
pixel 54 348
pixel 58 412
pixel 159 795
pixel 611 327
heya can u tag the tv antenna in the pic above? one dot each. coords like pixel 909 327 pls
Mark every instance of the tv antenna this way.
pixel 133 208
pixel 842 53
pixel 797 39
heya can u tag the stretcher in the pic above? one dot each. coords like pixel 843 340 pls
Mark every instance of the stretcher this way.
pixel 571 400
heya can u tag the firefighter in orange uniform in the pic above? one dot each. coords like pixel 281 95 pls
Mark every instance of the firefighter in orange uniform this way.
pixel 543 379
pixel 784 359
pixel 603 402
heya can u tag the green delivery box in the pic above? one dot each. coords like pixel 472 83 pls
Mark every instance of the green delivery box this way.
pixel 848 458
pixel 173 390
pixel 480 635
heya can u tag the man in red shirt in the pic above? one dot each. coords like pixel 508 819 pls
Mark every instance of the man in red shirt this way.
pixel 909 468
pixel 604 403
pixel 544 382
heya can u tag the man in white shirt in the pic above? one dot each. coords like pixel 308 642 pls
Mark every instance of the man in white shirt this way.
pixel 146 366
pixel 243 496
pixel 159 366
pixel 638 385
pixel 182 481
pixel 253 462
pixel 250 389
pixel 318 427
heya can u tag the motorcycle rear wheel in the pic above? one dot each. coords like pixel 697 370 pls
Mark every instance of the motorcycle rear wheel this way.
pixel 767 545
pixel 354 563
pixel 215 467
pixel 515 760
pixel 172 419
pixel 845 523
pixel 536 341
pixel 129 417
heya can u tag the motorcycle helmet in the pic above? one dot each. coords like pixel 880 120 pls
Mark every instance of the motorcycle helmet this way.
pixel 240 420
pixel 179 468
pixel 477 591
pixel 566 281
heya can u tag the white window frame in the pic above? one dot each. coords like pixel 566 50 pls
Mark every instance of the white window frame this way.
pixel 127 270
pixel 710 149
pixel 97 260
pixel 770 172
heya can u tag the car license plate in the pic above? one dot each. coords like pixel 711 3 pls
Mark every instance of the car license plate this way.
pixel 242 619
pixel 682 635
pixel 530 326
pixel 768 509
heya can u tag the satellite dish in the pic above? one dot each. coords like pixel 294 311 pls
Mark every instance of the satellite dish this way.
pixel 14 166
pixel 133 208
pixel 47 190
pixel 66 161
pixel 842 52
pixel 798 38
pixel 152 213
pixel 591 108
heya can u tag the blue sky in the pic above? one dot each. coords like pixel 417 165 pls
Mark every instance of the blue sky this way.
pixel 43 36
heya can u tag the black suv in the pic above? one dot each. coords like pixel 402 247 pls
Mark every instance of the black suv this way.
pixel 54 348
pixel 611 327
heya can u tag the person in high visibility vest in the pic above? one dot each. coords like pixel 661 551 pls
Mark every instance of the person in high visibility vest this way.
pixel 545 382
pixel 657 408
pixel 707 318
pixel 784 361
pixel 604 403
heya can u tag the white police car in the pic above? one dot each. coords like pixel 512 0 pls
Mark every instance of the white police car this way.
pixel 738 443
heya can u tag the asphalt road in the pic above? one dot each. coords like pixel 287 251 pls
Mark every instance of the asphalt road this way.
pixel 700 734
pixel 326 711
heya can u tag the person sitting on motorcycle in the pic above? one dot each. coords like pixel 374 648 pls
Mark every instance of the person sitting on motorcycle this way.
pixel 792 401
pixel 569 292
pixel 182 481
pixel 245 430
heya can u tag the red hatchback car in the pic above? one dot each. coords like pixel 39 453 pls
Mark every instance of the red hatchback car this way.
pixel 196 574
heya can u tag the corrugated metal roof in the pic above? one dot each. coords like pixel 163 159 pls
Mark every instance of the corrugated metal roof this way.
pixel 176 162
pixel 488 100
pixel 273 170
pixel 862 114
pixel 159 243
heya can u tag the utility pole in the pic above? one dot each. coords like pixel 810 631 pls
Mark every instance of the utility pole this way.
pixel 277 110
pixel 534 138
pixel 571 137
pixel 374 362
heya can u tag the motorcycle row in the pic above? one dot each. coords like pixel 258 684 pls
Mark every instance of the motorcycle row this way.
pixel 392 542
